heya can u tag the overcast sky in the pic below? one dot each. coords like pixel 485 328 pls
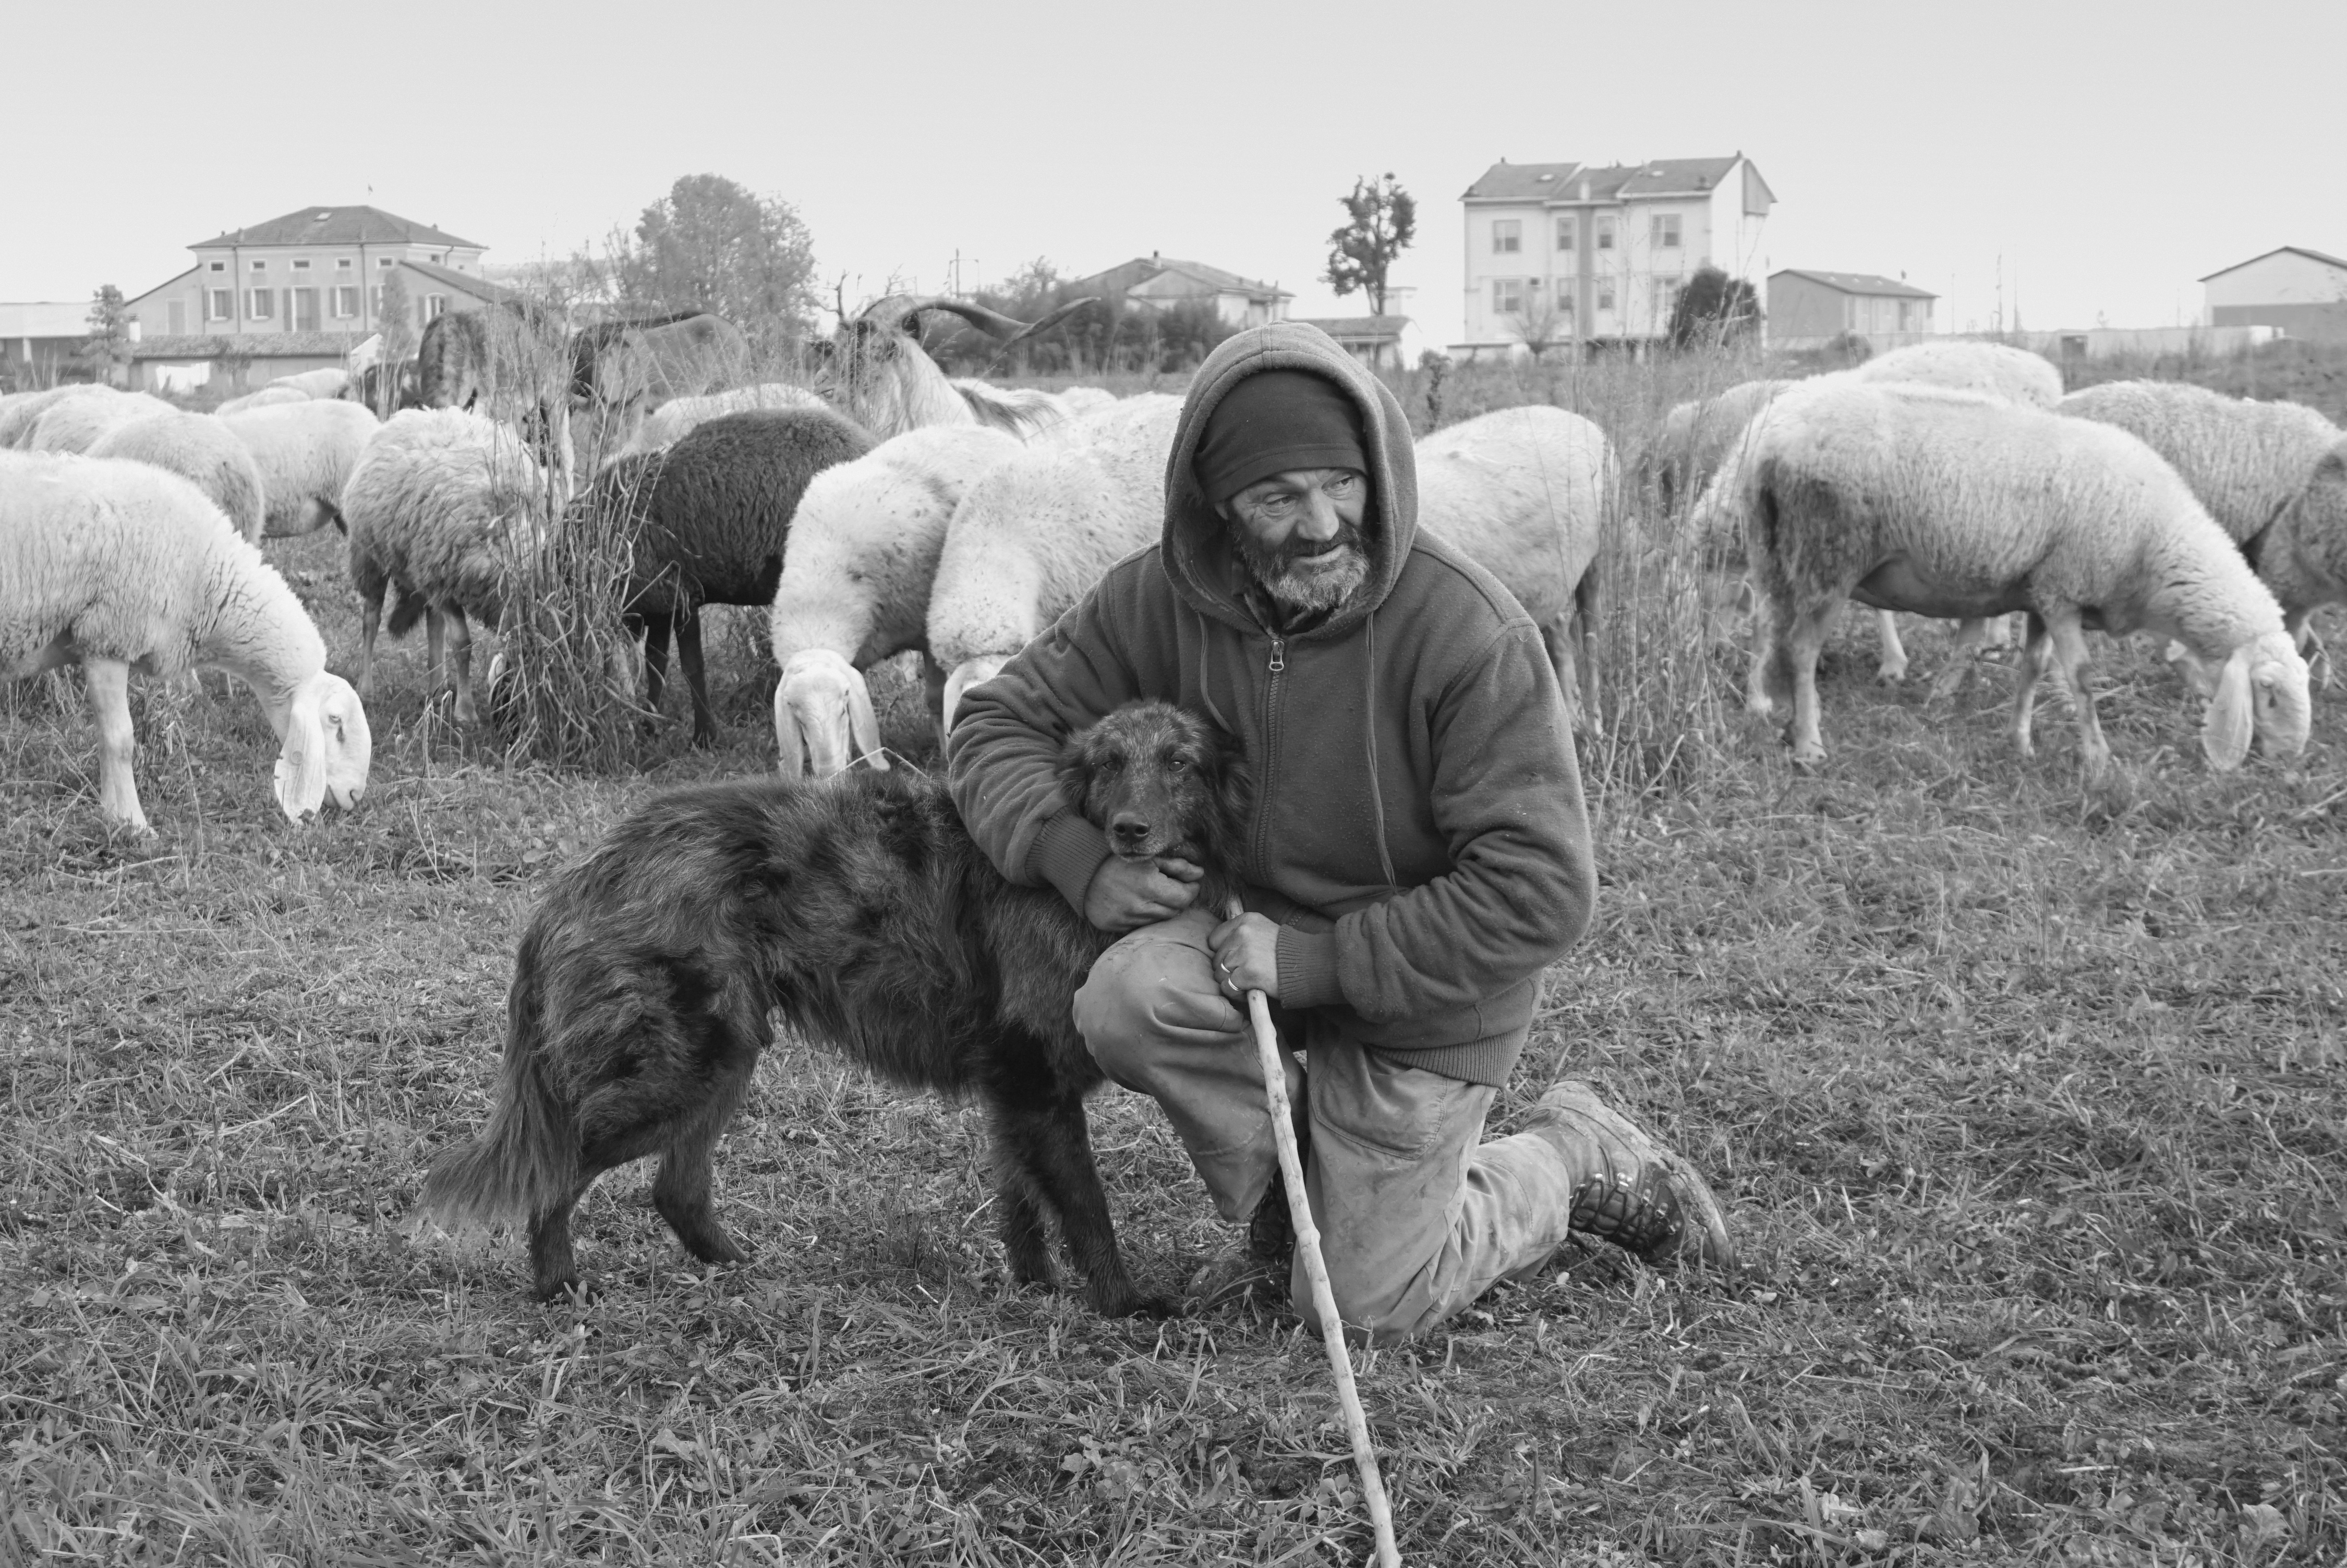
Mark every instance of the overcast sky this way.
pixel 2110 154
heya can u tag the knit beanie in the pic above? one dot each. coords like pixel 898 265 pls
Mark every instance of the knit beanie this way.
pixel 1274 421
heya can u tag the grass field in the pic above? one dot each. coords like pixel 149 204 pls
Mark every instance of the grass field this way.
pixel 2024 1102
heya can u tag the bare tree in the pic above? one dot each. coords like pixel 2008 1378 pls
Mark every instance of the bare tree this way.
pixel 1545 321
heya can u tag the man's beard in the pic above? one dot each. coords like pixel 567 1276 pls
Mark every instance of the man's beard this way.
pixel 1303 582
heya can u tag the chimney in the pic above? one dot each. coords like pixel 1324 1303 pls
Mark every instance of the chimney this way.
pixel 1585 188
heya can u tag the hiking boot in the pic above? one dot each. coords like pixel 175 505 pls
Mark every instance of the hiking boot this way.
pixel 1255 1264
pixel 1629 1188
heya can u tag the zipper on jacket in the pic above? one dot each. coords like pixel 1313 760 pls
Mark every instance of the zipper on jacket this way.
pixel 1267 776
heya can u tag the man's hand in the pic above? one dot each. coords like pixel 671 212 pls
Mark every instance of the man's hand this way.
pixel 1246 957
pixel 1127 894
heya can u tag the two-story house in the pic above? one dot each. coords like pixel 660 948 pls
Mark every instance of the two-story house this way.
pixel 1565 252
pixel 298 291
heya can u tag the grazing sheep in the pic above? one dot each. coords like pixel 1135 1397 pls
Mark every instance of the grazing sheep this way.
pixel 2270 473
pixel 855 585
pixel 1036 532
pixel 1957 506
pixel 306 451
pixel 20 411
pixel 708 517
pixel 436 505
pixel 109 565
pixel 331 381
pixel 202 450
pixel 667 423
pixel 1965 364
pixel 888 383
pixel 265 397
pixel 1697 437
pixel 75 422
pixel 1520 491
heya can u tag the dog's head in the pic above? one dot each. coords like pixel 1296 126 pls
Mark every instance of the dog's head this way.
pixel 1160 781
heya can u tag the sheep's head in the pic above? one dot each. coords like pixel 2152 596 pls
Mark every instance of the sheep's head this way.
pixel 823 716
pixel 327 748
pixel 2262 688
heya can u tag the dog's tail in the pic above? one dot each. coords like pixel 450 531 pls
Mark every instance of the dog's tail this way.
pixel 525 1161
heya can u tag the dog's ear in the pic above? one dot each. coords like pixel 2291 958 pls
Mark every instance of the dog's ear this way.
pixel 1074 773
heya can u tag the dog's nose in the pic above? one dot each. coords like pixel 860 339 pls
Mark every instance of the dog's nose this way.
pixel 1129 829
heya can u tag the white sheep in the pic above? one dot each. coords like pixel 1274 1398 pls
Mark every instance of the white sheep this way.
pixel 1520 491
pixel 109 565
pixel 1957 506
pixel 266 396
pixel 305 450
pixel 331 381
pixel 440 501
pixel 1037 530
pixel 19 411
pixel 1967 364
pixel 1075 402
pixel 671 420
pixel 200 450
pixel 1698 435
pixel 2270 473
pixel 75 422
pixel 855 585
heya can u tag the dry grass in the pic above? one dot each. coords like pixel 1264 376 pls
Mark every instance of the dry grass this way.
pixel 2023 1103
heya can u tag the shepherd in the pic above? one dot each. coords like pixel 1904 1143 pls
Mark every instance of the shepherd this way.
pixel 1418 853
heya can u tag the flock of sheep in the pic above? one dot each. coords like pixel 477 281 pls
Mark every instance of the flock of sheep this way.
pixel 959 519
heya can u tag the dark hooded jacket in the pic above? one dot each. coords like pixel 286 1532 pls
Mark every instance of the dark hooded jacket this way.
pixel 1418 830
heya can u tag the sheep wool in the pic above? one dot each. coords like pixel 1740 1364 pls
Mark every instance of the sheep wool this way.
pixel 2246 460
pixel 672 420
pixel 262 399
pixel 1964 365
pixel 856 583
pixel 1963 506
pixel 75 422
pixel 200 450
pixel 112 564
pixel 305 450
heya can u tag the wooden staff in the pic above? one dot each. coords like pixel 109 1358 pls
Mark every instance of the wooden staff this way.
pixel 1315 1268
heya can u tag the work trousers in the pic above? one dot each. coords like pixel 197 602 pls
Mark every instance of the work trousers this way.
pixel 1416 1217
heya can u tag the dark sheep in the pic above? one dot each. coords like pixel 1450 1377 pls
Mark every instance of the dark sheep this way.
pixel 709 516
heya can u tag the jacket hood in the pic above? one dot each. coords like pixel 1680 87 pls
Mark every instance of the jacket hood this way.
pixel 1197 552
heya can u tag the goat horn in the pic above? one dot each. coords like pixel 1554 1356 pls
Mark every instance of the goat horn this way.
pixel 899 309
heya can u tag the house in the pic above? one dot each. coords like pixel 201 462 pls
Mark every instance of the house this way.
pixel 1381 342
pixel 1574 252
pixel 1806 306
pixel 40 341
pixel 1156 282
pixel 2303 293
pixel 297 292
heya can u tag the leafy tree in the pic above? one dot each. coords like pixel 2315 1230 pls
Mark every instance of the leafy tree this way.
pixel 396 320
pixel 107 353
pixel 1380 220
pixel 1714 308
pixel 709 244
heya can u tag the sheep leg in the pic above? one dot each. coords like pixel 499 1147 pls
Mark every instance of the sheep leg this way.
pixel 1584 604
pixel 2070 667
pixel 696 680
pixel 2300 624
pixel 107 682
pixel 460 658
pixel 1894 668
pixel 434 672
pixel 655 660
pixel 1556 637
pixel 1761 692
pixel 2033 648
pixel 1972 636
pixel 370 622
pixel 933 683
pixel 1798 649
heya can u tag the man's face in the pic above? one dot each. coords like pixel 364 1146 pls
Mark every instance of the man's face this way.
pixel 1300 534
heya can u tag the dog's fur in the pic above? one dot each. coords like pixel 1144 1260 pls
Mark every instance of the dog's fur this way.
pixel 861 912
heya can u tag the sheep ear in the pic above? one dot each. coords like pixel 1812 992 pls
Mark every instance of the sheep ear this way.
pixel 791 744
pixel 2225 731
pixel 864 726
pixel 301 773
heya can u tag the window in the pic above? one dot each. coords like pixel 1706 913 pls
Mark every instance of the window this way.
pixel 342 263
pixel 1507 296
pixel 346 304
pixel 1606 233
pixel 302 266
pixel 221 303
pixel 302 309
pixel 1665 232
pixel 436 257
pixel 1564 233
pixel 435 304
pixel 1506 236
pixel 261 266
pixel 220 266
pixel 1604 296
pixel 258 304
pixel 383 261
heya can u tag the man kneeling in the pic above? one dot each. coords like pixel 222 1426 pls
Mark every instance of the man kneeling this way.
pixel 1418 854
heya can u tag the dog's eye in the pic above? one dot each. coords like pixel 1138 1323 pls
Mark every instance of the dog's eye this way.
pixel 1177 764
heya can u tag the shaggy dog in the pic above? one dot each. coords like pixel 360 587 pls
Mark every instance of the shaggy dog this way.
pixel 860 910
